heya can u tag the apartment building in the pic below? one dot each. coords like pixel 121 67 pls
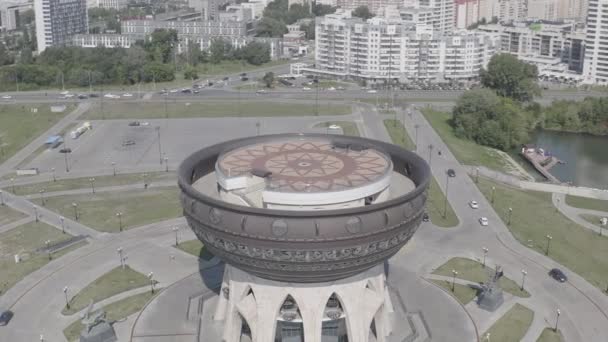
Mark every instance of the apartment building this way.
pixel 10 14
pixel 596 39
pixel 389 48
pixel 58 20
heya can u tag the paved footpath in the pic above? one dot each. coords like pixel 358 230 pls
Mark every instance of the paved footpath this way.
pixel 559 201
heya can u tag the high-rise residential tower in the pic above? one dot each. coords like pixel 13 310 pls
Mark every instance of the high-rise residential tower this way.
pixel 596 50
pixel 58 20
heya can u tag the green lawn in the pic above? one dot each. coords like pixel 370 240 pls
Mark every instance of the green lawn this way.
pixel 116 311
pixel 548 335
pixel 110 284
pixel 25 240
pixel 8 215
pixel 244 108
pixel 233 67
pixel 138 207
pixel 196 248
pixel 462 293
pixel 19 126
pixel 348 127
pixel 512 326
pixel 436 198
pixel 100 181
pixel 534 217
pixel 587 203
pixel 474 271
pixel 466 151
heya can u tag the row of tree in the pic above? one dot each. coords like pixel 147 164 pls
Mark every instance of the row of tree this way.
pixel 503 113
pixel 154 60
pixel 278 14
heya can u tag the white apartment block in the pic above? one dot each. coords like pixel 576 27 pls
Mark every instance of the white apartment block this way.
pixel 543 9
pixel 58 20
pixel 105 40
pixel 596 50
pixel 375 6
pixel 466 13
pixel 541 43
pixel 443 14
pixel 512 10
pixel 389 48
pixel 114 4
pixel 488 9
pixel 10 14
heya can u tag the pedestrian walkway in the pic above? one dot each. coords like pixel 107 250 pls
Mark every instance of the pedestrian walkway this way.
pixel 559 201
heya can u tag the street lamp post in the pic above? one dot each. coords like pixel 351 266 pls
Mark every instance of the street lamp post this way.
pixel 166 164
pixel 145 181
pixel 122 260
pixel 47 243
pixel 430 153
pixel 13 185
pixel 36 213
pixel 54 177
pixel 114 168
pixel 510 214
pixel 65 158
pixel 549 238
pixel 160 154
pixel 119 215
pixel 151 277
pixel 557 205
pixel 62 219
pixel 477 175
pixel 42 199
pixel 176 230
pixel 92 180
pixel 445 199
pixel 454 274
pixel 67 302
pixel 485 252
pixel 75 206
pixel 1 197
pixel 493 193
pixel 416 126
pixel 558 313
pixel 257 127
pixel 523 278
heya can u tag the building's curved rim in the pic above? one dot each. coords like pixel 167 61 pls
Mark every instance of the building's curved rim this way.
pixel 420 175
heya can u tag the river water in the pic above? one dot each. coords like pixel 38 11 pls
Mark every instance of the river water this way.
pixel 586 157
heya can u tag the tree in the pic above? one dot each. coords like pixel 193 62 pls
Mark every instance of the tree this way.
pixel 309 30
pixel 190 73
pixel 255 53
pixel 154 71
pixel 320 10
pixel 362 12
pixel 511 78
pixel 269 27
pixel 161 45
pixel 268 79
pixel 297 12
pixel 219 50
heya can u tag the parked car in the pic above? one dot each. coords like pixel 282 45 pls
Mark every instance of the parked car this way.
pixel 451 173
pixel 134 123
pixel 484 221
pixel 558 275
pixel 5 317
pixel 65 150
pixel 474 204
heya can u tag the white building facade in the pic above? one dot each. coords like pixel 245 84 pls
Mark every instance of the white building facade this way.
pixel 388 48
pixel 114 4
pixel 10 14
pixel 58 20
pixel 596 50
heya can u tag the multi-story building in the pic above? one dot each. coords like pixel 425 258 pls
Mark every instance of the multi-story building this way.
pixel 488 10
pixel 209 8
pixel 114 4
pixel 375 6
pixel 543 9
pixel 596 39
pixel 512 10
pixel 389 48
pixel 58 20
pixel 466 13
pixel 144 27
pixel 105 40
pixel 443 14
pixel 540 42
pixel 10 14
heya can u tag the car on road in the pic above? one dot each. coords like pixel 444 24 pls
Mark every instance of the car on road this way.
pixel 7 97
pixel 127 95
pixel 451 173
pixel 128 143
pixel 93 95
pixel 5 317
pixel 331 89
pixel 305 88
pixel 68 96
pixel 425 217
pixel 474 204
pixel 372 91
pixel 173 90
pixel 558 275
pixel 65 150
pixel 261 91
pixel 111 96
pixel 226 78
pixel 341 88
pixel 134 123
pixel 187 91
pixel 65 92
pixel 484 221
pixel 243 74
pixel 83 96
pixel 244 79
